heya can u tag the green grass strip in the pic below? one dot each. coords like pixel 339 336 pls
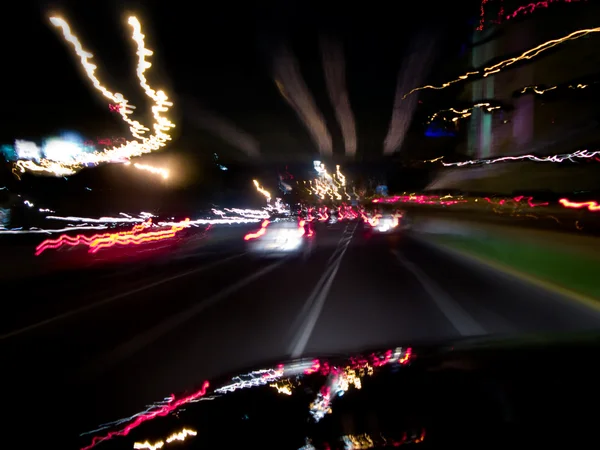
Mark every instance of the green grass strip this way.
pixel 579 273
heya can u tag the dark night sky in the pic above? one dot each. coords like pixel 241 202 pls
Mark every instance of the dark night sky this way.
pixel 217 56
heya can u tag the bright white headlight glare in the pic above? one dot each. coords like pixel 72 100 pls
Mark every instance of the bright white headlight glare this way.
pixel 292 243
pixel 385 225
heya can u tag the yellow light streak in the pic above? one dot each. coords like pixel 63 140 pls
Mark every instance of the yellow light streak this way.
pixel 142 143
pixel 529 54
pixel 264 192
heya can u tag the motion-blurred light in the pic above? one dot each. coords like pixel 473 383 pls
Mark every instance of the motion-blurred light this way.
pixel 73 137
pixel 4 217
pixel 61 151
pixel 9 153
pixel 318 167
pixel 27 150
pixel 435 130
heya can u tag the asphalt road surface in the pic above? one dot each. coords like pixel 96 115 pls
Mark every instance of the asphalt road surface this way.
pixel 80 349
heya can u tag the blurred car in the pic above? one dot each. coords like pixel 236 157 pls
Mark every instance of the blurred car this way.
pixel 281 236
pixel 388 222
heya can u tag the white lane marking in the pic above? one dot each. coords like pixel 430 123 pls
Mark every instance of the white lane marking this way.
pixel 310 300
pixel 147 337
pixel 340 246
pixel 113 298
pixel 315 302
pixel 308 303
pixel 458 317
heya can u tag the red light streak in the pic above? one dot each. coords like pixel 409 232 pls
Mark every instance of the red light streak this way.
pixel 159 412
pixel 356 363
pixel 106 240
pixel 481 15
pixel 374 221
pixel 421 199
pixel 338 374
pixel 109 142
pixel 522 10
pixel 301 229
pixel 142 238
pixel 529 201
pixel 531 7
pixel 323 214
pixel 259 233
pixel 591 206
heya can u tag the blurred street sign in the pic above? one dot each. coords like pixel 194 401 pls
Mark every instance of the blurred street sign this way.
pixel 382 190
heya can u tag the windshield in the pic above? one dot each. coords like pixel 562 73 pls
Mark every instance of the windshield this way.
pixel 186 193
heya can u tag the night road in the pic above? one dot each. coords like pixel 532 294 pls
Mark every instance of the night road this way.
pixel 105 345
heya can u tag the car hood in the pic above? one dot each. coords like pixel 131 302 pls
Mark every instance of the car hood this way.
pixel 479 391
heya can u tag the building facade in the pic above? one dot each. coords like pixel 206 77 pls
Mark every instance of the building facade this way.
pixel 546 103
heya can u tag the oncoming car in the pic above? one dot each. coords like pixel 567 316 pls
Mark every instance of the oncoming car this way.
pixel 281 237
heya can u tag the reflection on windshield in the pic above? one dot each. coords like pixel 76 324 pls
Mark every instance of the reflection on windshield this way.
pixel 173 213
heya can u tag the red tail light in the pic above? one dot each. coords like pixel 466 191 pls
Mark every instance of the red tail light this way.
pixel 374 221
pixel 301 228
pixel 259 233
